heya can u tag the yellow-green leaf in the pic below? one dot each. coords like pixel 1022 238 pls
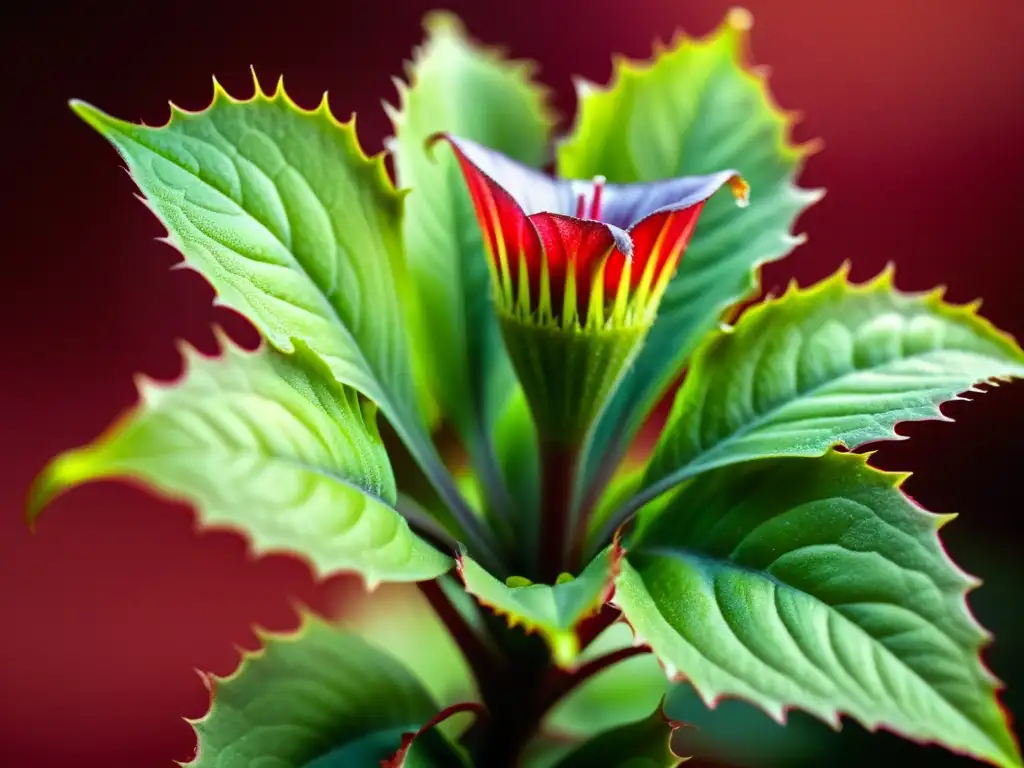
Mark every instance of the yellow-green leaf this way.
pixel 836 363
pixel 269 445
pixel 296 229
pixel 459 86
pixel 552 610
pixel 696 107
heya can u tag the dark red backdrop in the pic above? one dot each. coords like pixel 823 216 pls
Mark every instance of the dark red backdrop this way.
pixel 108 609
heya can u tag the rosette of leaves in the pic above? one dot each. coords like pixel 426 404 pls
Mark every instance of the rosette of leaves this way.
pixel 539 320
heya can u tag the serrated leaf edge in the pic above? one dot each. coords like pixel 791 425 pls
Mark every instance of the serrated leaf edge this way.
pixel 398 759
pixel 734 32
pixel 659 711
pixel 307 618
pixel 41 493
pixel 100 120
pixel 673 726
pixel 780 715
pixel 883 282
pixel 380 392
pixel 90 115
pixel 616 552
pixel 439 24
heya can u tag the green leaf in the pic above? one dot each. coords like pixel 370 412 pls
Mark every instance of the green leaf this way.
pixel 429 748
pixel 621 488
pixel 515 440
pixel 816 583
pixel 458 86
pixel 696 108
pixel 736 732
pixel 295 228
pixel 553 611
pixel 317 698
pixel 837 363
pixel 623 693
pixel 644 744
pixel 398 619
pixel 272 446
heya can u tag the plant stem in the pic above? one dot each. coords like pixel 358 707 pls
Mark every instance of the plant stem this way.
pixel 426 479
pixel 588 502
pixel 558 468
pixel 481 659
pixel 477 535
pixel 488 471
pixel 519 686
pixel 563 683
pixel 590 628
pixel 518 706
pixel 515 704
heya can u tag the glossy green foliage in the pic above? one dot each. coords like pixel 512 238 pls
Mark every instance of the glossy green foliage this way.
pixel 733 731
pixel 836 363
pixel 553 611
pixel 762 563
pixel 287 218
pixel 318 698
pixel 398 619
pixel 515 438
pixel 457 86
pixel 644 744
pixel 815 583
pixel 270 445
pixel 295 228
pixel 696 108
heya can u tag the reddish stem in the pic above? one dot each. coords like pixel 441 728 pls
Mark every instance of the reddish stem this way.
pixel 558 466
pixel 481 659
pixel 593 626
pixel 598 484
pixel 565 682
pixel 400 757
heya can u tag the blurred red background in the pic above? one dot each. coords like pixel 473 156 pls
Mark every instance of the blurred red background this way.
pixel 109 608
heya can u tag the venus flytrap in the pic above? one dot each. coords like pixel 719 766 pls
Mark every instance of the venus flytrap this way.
pixel 540 318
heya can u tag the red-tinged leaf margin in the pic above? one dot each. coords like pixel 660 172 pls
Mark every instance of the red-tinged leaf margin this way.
pixel 306 617
pixel 246 657
pixel 657 717
pixel 568 662
pixel 381 392
pixel 377 162
pixel 736 27
pixel 673 727
pixel 839 287
pixel 607 448
pixel 780 715
pixel 398 759
pixel 42 493
pixel 885 281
